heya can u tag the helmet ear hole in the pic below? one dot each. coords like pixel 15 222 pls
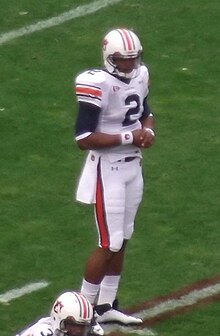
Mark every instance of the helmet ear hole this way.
pixel 111 60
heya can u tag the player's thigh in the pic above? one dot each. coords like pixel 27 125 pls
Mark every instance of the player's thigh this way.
pixel 134 189
pixel 134 194
pixel 113 187
pixel 112 203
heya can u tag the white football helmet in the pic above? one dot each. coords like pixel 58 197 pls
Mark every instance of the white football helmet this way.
pixel 121 43
pixel 73 306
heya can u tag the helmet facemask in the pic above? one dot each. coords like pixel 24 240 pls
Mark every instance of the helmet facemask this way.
pixel 70 327
pixel 129 74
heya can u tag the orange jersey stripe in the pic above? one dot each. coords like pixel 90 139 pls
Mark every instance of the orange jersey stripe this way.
pixel 88 91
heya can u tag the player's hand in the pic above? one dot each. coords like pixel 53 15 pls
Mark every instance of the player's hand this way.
pixel 143 138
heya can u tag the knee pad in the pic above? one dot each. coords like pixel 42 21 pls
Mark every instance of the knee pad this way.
pixel 116 242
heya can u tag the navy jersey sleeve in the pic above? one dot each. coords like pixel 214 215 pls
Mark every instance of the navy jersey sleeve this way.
pixel 87 118
pixel 147 111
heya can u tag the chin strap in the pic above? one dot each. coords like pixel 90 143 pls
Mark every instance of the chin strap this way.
pixel 58 332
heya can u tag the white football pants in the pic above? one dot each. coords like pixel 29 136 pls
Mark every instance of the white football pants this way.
pixel 119 192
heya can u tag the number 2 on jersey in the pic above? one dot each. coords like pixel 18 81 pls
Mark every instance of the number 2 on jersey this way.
pixel 133 113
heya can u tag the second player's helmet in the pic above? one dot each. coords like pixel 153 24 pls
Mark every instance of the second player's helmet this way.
pixel 121 43
pixel 70 306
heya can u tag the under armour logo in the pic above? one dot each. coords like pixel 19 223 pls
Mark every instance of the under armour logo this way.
pixel 114 168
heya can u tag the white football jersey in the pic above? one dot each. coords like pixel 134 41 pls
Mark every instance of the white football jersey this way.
pixel 41 328
pixel 121 102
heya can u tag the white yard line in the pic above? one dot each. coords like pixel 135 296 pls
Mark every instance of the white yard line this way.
pixel 18 292
pixel 186 300
pixel 57 20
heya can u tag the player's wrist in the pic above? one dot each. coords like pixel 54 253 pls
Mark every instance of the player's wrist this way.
pixel 126 138
pixel 150 130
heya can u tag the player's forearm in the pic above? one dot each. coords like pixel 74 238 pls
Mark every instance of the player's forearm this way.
pixel 99 140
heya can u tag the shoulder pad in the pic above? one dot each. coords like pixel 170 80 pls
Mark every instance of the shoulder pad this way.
pixel 43 331
pixel 144 70
pixel 94 76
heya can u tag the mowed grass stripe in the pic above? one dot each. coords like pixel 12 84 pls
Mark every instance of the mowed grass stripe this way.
pixel 18 292
pixel 57 20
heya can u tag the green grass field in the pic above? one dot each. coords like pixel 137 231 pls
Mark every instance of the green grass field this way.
pixel 45 234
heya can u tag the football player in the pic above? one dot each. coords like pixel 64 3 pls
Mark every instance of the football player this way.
pixel 71 315
pixel 115 124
